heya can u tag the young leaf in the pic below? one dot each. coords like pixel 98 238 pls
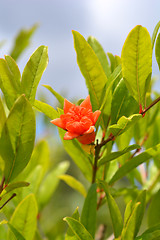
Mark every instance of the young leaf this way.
pixel 135 162
pixel 78 229
pixel 123 124
pixel 89 211
pixel 16 233
pixel 91 69
pixel 57 95
pixel 73 183
pixel 3 116
pixel 17 138
pixel 154 35
pixel 154 210
pixel 46 109
pixel 15 185
pixel 116 217
pixel 128 212
pixel 96 46
pixel 137 62
pixel 157 50
pixel 33 72
pixel 22 41
pixel 115 155
pixel 70 235
pixel 24 218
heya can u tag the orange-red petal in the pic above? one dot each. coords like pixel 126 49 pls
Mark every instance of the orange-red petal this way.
pixel 96 116
pixel 86 103
pixel 67 105
pixel 69 135
pixel 58 122
pixel 87 138
pixel 90 130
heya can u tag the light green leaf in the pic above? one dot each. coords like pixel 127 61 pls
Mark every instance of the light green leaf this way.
pixel 16 233
pixel 154 210
pixel 123 104
pixel 128 212
pixel 137 62
pixel 24 218
pixel 135 162
pixel 46 109
pixel 96 46
pixel 116 217
pixel 3 116
pixel 157 50
pixel 74 183
pixel 78 229
pixel 115 155
pixel 22 41
pixel 91 69
pixel 57 95
pixel 70 234
pixel 89 211
pixel 112 61
pixel 15 185
pixel 154 35
pixel 47 189
pixel 123 124
pixel 17 138
pixel 33 72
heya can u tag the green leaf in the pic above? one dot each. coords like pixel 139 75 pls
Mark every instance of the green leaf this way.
pixel 137 62
pixel 78 229
pixel 57 95
pixel 33 72
pixel 91 69
pixel 47 189
pixel 9 80
pixel 116 217
pixel 123 104
pixel 157 50
pixel 17 138
pixel 3 116
pixel 96 46
pixel 128 212
pixel 22 41
pixel 46 109
pixel 154 210
pixel 152 233
pixel 74 183
pixel 115 155
pixel 135 162
pixel 15 185
pixel 24 218
pixel 70 234
pixel 89 211
pixel 123 124
pixel 154 35
pixel 16 233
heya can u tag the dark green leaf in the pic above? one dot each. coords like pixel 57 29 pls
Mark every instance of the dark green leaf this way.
pixel 152 233
pixel 57 95
pixel 3 116
pixel 17 138
pixel 70 234
pixel 154 210
pixel 46 109
pixel 89 211
pixel 33 72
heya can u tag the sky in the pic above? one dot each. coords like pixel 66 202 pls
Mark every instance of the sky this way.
pixel 109 21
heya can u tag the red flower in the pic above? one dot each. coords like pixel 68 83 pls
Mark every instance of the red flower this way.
pixel 78 121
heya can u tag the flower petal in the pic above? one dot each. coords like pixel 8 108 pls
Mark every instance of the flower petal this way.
pixel 86 103
pixel 58 122
pixel 67 105
pixel 96 116
pixel 90 130
pixel 69 135
pixel 87 138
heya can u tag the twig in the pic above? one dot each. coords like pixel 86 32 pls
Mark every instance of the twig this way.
pixel 151 105
pixel 13 195
pixel 1 185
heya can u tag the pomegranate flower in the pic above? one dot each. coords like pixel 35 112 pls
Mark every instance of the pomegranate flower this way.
pixel 78 121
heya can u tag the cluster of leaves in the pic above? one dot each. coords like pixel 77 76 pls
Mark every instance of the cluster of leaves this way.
pixel 122 89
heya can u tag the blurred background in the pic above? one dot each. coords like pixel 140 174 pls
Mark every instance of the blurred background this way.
pixel 108 21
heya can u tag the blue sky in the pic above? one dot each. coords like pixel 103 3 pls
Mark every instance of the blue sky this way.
pixel 108 20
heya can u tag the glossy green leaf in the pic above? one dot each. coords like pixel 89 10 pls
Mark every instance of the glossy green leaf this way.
pixel 115 155
pixel 137 62
pixel 89 211
pixel 123 104
pixel 96 46
pixel 17 234
pixel 9 80
pixel 154 35
pixel 135 162
pixel 154 210
pixel 3 116
pixel 33 72
pixel 16 185
pixel 157 50
pixel 78 229
pixel 123 124
pixel 22 41
pixel 47 189
pixel 91 69
pixel 73 183
pixel 46 109
pixel 70 234
pixel 116 217
pixel 57 95
pixel 24 218
pixel 17 138
pixel 74 149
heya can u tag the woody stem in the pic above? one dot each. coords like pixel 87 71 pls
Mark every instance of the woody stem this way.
pixel 97 151
pixel 151 105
